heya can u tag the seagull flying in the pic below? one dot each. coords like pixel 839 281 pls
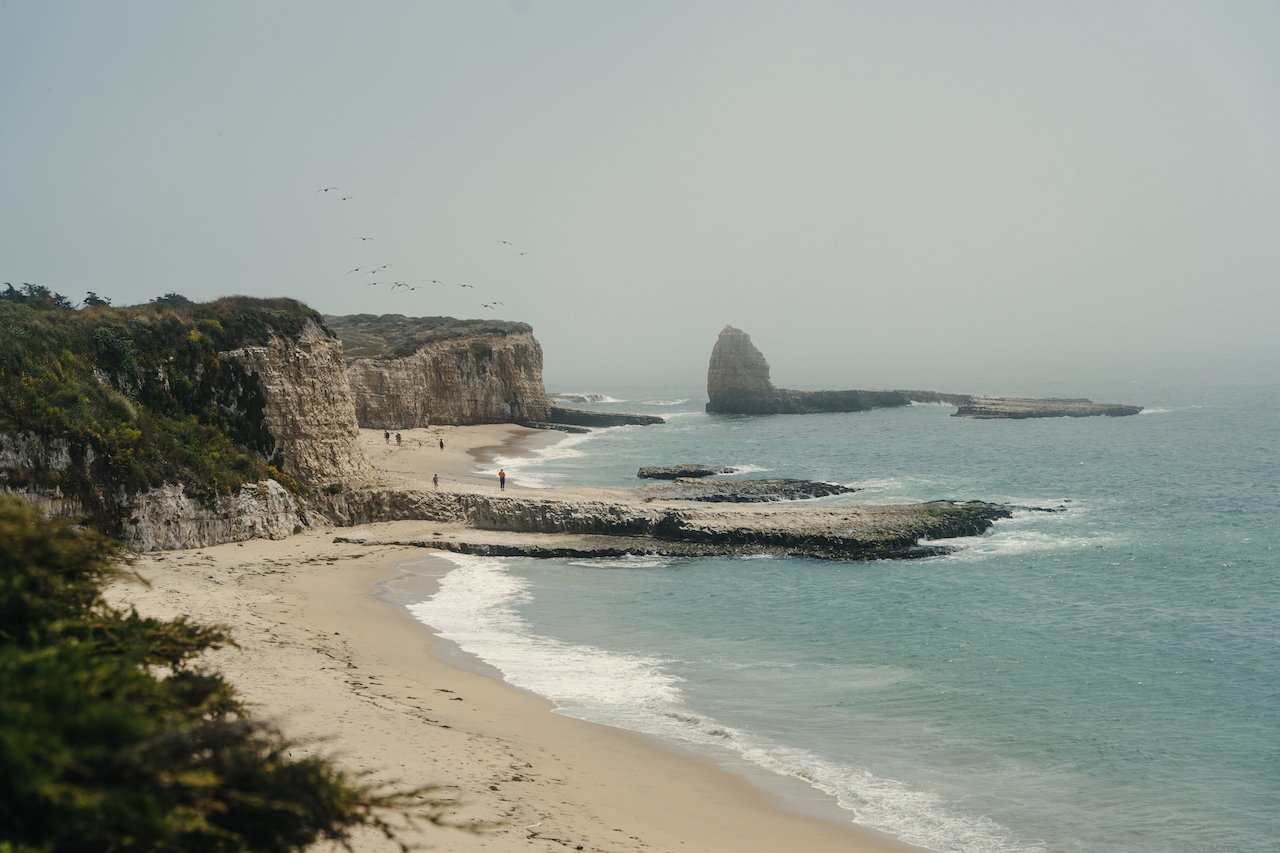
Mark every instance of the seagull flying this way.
pixel 364 238
pixel 325 189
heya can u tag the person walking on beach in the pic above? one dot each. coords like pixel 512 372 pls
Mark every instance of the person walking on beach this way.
pixel 386 436
pixel 435 481
pixel 502 480
pixel 397 439
pixel 442 444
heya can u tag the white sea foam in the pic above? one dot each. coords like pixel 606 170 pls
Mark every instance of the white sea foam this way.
pixel 588 397
pixel 476 607
pixel 1026 533
pixel 524 469
pixel 748 469
pixel 629 561
pixel 678 402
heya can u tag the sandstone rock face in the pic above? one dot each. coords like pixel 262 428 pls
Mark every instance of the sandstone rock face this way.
pixel 309 408
pixel 160 518
pixel 167 518
pixel 484 378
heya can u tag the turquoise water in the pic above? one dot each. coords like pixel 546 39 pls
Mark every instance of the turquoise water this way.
pixel 1100 679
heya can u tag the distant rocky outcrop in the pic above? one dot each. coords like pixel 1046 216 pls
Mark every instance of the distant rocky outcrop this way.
pixel 1023 407
pixel 738 383
pixel 408 372
pixel 582 417
pixel 672 472
pixel 763 490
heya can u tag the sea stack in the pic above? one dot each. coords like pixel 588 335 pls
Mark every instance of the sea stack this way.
pixel 738 383
pixel 738 377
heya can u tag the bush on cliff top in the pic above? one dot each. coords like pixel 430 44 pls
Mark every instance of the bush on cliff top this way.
pixel 112 738
pixel 140 396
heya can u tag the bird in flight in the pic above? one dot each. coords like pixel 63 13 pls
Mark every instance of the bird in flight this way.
pixel 376 269
pixel 490 304
pixel 464 285
pixel 364 238
pixel 357 269
pixel 325 189
pixel 504 242
pixel 346 198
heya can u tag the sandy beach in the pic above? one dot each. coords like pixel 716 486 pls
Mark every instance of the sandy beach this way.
pixel 332 663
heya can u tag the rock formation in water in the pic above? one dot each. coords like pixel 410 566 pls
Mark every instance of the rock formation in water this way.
pixel 738 383
pixel 1052 407
pixel 766 490
pixel 503 526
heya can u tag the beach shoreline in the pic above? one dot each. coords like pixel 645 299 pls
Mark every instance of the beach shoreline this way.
pixel 324 653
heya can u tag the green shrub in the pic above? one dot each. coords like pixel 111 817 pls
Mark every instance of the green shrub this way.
pixel 113 738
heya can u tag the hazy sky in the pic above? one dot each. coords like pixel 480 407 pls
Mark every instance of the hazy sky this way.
pixel 963 196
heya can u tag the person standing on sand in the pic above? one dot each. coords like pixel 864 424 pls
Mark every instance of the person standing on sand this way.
pixel 442 444
pixel 435 481
pixel 502 480
pixel 397 439
pixel 386 436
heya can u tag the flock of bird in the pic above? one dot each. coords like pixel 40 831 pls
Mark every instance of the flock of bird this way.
pixel 404 285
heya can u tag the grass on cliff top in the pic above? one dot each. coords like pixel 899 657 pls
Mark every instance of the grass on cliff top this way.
pixel 140 395
pixel 387 336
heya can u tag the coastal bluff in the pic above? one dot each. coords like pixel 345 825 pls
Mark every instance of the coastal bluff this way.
pixel 738 383
pixel 407 372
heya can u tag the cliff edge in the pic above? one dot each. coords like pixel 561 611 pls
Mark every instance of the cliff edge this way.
pixel 407 372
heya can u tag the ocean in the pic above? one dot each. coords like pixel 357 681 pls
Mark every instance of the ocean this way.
pixel 1103 678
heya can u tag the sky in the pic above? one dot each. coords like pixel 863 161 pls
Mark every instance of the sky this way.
pixel 973 197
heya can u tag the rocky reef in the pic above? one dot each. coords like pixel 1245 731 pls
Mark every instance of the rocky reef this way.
pixel 764 490
pixel 738 383
pixel 1053 407
pixel 672 472
pixel 549 527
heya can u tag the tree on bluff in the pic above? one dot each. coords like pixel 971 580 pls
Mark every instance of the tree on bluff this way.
pixel 112 739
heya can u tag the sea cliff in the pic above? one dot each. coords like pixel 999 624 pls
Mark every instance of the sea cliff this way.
pixel 407 372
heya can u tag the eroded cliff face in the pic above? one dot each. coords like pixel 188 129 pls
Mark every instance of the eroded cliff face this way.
pixel 155 519
pixel 310 411
pixel 472 379
pixel 310 434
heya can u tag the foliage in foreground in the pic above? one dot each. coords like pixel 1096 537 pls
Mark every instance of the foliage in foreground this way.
pixel 112 738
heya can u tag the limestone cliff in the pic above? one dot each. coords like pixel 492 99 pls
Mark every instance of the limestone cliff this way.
pixel 309 409
pixel 172 426
pixel 407 372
